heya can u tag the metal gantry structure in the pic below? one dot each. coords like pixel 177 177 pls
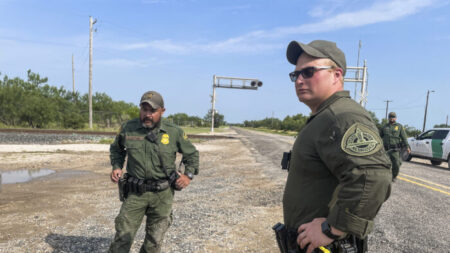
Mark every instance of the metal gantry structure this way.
pixel 362 79
pixel 231 83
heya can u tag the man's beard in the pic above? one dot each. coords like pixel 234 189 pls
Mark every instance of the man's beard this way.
pixel 152 124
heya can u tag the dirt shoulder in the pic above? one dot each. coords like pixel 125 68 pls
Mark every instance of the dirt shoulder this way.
pixel 230 206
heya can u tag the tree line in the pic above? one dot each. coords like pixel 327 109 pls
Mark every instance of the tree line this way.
pixel 36 104
pixel 182 119
pixel 298 121
pixel 289 123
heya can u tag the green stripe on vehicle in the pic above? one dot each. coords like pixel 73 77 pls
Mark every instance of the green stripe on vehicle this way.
pixel 436 148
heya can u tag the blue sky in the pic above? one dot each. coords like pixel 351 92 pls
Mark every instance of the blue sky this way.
pixel 176 46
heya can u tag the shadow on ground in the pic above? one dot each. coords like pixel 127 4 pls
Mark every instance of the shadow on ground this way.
pixel 68 243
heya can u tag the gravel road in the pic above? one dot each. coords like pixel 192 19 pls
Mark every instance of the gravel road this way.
pixel 414 219
pixel 229 207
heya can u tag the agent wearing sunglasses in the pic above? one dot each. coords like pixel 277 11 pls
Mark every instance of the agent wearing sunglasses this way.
pixel 394 138
pixel 339 174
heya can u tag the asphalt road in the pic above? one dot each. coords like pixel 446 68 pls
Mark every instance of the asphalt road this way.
pixel 416 217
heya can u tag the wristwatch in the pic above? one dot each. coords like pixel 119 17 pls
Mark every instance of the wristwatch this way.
pixel 189 175
pixel 326 229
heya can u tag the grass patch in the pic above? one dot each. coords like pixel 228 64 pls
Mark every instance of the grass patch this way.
pixel 106 141
pixel 202 130
pixel 196 140
pixel 273 131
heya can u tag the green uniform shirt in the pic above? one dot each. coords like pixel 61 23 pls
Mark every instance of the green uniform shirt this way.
pixel 145 158
pixel 393 136
pixel 338 169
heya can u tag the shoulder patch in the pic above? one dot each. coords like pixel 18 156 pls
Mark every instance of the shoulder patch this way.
pixel 185 135
pixel 360 140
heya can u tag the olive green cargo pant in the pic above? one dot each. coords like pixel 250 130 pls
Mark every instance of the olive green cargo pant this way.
pixel 396 162
pixel 157 206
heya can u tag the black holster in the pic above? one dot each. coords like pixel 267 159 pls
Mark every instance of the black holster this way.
pixel 286 161
pixel 281 236
pixel 396 147
pixel 123 187
pixel 286 239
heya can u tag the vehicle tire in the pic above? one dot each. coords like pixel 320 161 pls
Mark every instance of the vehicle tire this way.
pixel 405 155
pixel 448 161
pixel 435 163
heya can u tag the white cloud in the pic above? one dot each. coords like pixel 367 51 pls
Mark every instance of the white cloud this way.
pixel 380 11
pixel 327 7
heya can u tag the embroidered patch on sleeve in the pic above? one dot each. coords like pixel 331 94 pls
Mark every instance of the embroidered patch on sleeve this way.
pixel 360 140
pixel 184 136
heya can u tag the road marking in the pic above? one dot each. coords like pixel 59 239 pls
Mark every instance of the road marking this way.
pixel 426 186
pixel 428 182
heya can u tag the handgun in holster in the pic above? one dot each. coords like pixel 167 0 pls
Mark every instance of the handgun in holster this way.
pixel 286 239
pixel 281 236
pixel 286 161
pixel 173 179
pixel 123 187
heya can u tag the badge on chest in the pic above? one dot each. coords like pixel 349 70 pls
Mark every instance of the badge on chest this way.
pixel 165 139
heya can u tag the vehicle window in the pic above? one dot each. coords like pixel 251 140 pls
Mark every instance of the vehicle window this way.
pixel 426 135
pixel 440 134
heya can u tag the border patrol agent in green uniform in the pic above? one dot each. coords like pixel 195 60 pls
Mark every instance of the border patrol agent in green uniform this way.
pixel 394 138
pixel 339 174
pixel 151 146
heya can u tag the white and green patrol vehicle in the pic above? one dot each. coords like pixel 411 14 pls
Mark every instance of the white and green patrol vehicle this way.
pixel 433 144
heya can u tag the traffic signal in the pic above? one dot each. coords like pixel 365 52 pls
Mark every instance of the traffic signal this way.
pixel 256 83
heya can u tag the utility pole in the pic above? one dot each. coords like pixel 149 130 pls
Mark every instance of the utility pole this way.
pixel 426 108
pixel 357 66
pixel 91 23
pixel 387 107
pixel 446 121
pixel 73 76
pixel 213 102
pixel 272 119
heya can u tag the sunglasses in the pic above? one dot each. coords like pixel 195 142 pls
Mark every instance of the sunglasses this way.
pixel 307 72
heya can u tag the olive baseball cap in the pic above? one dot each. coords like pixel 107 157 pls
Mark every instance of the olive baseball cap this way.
pixel 318 49
pixel 153 98
pixel 392 115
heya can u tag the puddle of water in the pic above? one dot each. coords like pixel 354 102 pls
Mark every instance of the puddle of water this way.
pixel 20 176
